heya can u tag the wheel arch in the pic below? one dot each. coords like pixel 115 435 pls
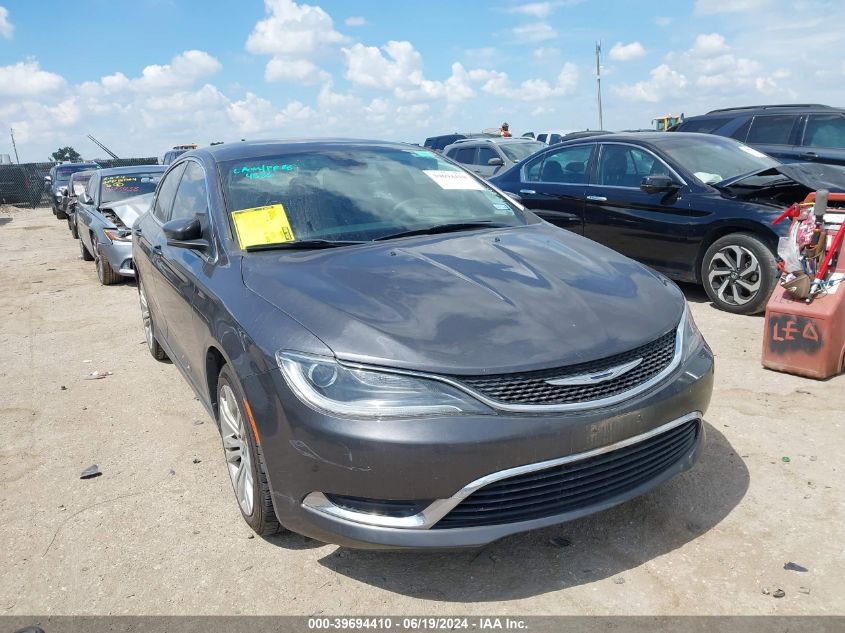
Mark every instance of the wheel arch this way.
pixel 718 231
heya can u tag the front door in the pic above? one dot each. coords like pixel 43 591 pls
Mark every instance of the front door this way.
pixel 649 227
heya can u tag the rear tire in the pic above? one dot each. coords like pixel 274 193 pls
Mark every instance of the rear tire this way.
pixel 739 273
pixel 83 250
pixel 71 224
pixel 244 458
pixel 105 273
pixel 61 214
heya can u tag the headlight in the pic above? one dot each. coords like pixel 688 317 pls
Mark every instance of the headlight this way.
pixel 326 385
pixel 118 235
pixel 691 335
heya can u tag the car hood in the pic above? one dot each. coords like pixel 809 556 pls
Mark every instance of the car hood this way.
pixel 812 176
pixel 130 209
pixel 478 302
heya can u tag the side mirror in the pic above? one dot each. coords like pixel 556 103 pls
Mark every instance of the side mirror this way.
pixel 47 180
pixel 495 162
pixel 84 198
pixel 63 191
pixel 657 184
pixel 185 233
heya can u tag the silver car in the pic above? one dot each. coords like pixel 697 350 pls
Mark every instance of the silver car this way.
pixel 105 213
pixel 488 157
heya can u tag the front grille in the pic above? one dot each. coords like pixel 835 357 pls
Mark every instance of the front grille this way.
pixel 575 485
pixel 531 388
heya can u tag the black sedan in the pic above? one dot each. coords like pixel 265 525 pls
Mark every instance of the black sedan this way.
pixel 693 206
pixel 397 355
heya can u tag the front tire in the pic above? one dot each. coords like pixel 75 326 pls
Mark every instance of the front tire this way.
pixel 244 459
pixel 71 224
pixel 156 350
pixel 739 273
pixel 105 273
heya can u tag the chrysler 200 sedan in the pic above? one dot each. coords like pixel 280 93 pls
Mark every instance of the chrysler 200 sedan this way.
pixel 399 356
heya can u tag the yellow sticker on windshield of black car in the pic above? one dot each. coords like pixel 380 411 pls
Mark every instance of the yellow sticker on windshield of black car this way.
pixel 262 225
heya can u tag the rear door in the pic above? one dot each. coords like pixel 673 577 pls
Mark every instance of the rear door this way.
pixel 554 185
pixel 651 228
pixel 823 139
pixel 776 135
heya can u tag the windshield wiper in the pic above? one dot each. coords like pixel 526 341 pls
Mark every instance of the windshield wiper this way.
pixel 301 244
pixel 445 228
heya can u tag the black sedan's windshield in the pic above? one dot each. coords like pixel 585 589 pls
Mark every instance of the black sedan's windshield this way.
pixel 517 151
pixel 712 159
pixel 348 195
pixel 63 174
pixel 120 186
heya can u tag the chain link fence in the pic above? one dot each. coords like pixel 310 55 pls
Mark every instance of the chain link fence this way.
pixel 23 185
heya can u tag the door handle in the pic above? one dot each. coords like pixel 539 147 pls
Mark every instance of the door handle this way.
pixel 528 191
pixel 597 198
pixel 809 155
pixel 157 250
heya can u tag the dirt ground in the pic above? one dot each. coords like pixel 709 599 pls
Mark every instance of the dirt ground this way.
pixel 160 533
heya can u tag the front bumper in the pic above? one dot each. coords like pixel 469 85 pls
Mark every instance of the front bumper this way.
pixel 312 458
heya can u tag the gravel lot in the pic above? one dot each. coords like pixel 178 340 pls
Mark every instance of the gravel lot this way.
pixel 158 533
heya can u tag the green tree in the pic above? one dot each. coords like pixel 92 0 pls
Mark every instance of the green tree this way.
pixel 66 153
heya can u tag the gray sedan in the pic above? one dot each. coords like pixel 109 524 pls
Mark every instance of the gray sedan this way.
pixel 105 213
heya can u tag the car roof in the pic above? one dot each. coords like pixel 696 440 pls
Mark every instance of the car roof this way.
pixel 254 149
pixel 653 138
pixel 769 109
pixel 496 139
pixel 130 169
pixel 85 172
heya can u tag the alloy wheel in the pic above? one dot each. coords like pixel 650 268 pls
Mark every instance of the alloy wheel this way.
pixel 146 317
pixel 237 450
pixel 734 275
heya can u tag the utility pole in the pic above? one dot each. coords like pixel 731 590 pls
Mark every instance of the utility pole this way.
pixel 598 81
pixel 12 132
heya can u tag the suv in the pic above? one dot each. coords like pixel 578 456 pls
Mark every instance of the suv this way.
pixel 438 143
pixel 57 181
pixel 791 133
pixel 172 154
pixel 488 156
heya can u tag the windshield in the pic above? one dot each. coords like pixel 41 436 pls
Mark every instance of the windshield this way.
pixel 63 174
pixel 354 195
pixel 712 159
pixel 517 151
pixel 120 186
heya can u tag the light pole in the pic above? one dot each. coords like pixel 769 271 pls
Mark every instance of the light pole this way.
pixel 598 82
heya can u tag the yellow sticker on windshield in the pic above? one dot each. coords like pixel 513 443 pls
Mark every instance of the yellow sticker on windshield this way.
pixel 262 225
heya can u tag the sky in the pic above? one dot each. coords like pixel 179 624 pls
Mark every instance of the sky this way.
pixel 145 75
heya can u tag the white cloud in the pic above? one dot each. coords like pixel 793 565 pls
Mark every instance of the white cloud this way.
pixel 399 65
pixel 662 81
pixel 710 7
pixel 534 9
pixel 626 52
pixel 184 69
pixel 292 29
pixel 545 53
pixel 663 20
pixel 499 84
pixel 27 79
pixel 294 34
pixel 538 32
pixel 300 70
pixel 7 29
pixel 355 20
pixel 708 45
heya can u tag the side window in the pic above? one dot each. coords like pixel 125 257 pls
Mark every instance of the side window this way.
pixel 567 165
pixel 825 130
pixel 772 130
pixel 166 192
pixel 704 126
pixel 465 155
pixel 554 138
pixel 741 133
pixel 92 186
pixel 452 153
pixel 192 195
pixel 626 166
pixel 542 137
pixel 485 154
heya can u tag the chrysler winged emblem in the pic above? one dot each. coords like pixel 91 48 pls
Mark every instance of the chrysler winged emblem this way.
pixel 595 377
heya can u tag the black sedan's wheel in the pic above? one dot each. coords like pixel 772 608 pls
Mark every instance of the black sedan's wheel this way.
pixel 244 458
pixel 105 273
pixel 156 350
pixel 71 224
pixel 61 215
pixel 739 273
pixel 83 251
